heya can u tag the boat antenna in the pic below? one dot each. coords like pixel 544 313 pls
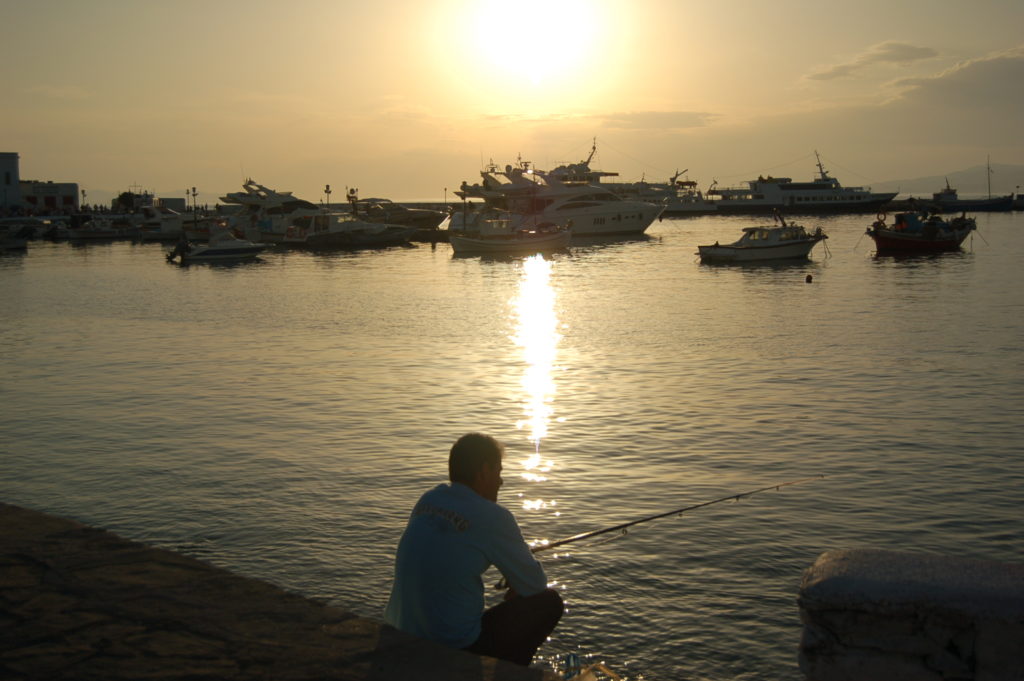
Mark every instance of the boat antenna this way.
pixel 623 527
pixel 988 165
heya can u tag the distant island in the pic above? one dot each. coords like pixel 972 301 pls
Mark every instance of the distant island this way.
pixel 1006 179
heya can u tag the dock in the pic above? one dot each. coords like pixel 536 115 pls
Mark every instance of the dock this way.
pixel 77 602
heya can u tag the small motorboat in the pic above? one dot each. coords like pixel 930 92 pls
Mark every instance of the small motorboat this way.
pixel 222 246
pixel 919 233
pixel 496 234
pixel 782 241
pixel 522 241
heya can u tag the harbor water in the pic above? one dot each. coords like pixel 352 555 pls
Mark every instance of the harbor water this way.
pixel 279 418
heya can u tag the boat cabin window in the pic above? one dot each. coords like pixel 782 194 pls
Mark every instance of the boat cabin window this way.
pixel 573 205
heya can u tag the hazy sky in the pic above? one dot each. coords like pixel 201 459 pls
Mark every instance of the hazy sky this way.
pixel 404 98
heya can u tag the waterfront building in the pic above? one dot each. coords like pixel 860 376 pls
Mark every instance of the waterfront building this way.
pixel 10 192
pixel 32 196
pixel 44 198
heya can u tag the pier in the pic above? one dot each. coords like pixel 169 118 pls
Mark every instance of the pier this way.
pixel 81 603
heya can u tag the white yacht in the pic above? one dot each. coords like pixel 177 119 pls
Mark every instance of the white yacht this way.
pixel 161 224
pixel 535 198
pixel 824 194
pixel 265 214
pixel 223 246
pixel 679 197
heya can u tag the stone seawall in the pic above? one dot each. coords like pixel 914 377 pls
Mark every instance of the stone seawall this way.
pixel 870 615
pixel 81 603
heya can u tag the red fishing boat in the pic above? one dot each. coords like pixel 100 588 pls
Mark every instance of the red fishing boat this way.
pixel 919 233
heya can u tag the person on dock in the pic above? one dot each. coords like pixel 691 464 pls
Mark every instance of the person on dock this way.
pixel 455 532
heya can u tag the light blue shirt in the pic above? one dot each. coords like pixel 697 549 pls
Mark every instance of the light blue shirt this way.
pixel 453 536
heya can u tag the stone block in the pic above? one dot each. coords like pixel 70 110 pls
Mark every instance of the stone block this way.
pixel 872 614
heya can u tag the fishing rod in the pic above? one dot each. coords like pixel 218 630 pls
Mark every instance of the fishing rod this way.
pixel 679 511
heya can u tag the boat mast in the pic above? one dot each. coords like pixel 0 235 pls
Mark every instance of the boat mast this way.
pixel 988 166
pixel 821 168
pixel 593 150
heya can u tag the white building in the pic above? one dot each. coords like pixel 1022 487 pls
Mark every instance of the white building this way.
pixel 32 196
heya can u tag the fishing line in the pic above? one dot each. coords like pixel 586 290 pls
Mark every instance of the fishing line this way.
pixel 678 511
pixel 623 528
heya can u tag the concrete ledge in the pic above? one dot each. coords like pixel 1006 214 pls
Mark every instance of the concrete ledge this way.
pixel 871 614
pixel 82 603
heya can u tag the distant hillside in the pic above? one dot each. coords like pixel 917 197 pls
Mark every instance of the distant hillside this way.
pixel 1006 179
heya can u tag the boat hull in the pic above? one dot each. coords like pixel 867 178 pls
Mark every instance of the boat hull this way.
pixel 352 239
pixel 755 207
pixel 888 241
pixel 598 219
pixel 222 247
pixel 995 204
pixel 511 245
pixel 613 220
pixel 794 250
pixel 222 254
pixel 684 209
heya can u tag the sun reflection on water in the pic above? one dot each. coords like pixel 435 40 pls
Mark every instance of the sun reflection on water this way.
pixel 537 338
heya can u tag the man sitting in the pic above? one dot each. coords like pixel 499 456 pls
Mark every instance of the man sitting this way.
pixel 455 532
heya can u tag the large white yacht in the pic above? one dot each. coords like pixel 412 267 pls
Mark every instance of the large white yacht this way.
pixel 679 197
pixel 265 214
pixel 823 194
pixel 536 199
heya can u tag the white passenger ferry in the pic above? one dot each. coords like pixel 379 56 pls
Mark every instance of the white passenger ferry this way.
pixel 824 194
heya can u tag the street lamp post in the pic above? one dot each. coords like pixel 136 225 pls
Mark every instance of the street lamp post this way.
pixel 195 211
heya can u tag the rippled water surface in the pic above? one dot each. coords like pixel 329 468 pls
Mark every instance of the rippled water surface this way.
pixel 280 418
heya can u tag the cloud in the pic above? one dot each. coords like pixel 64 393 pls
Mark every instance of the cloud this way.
pixel 889 52
pixel 530 118
pixel 659 120
pixel 954 117
pixel 989 83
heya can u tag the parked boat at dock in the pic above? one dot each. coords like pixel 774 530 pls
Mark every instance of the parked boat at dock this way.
pixel 389 212
pixel 824 194
pixel 919 233
pixel 678 197
pixel 343 231
pixel 223 246
pixel 266 214
pixel 782 241
pixel 86 227
pixel 533 198
pixel 947 200
pixel 495 233
pixel 161 224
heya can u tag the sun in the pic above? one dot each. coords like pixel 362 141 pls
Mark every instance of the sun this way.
pixel 535 42
pixel 525 58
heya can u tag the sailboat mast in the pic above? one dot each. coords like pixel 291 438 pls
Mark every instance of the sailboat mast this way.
pixel 988 166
